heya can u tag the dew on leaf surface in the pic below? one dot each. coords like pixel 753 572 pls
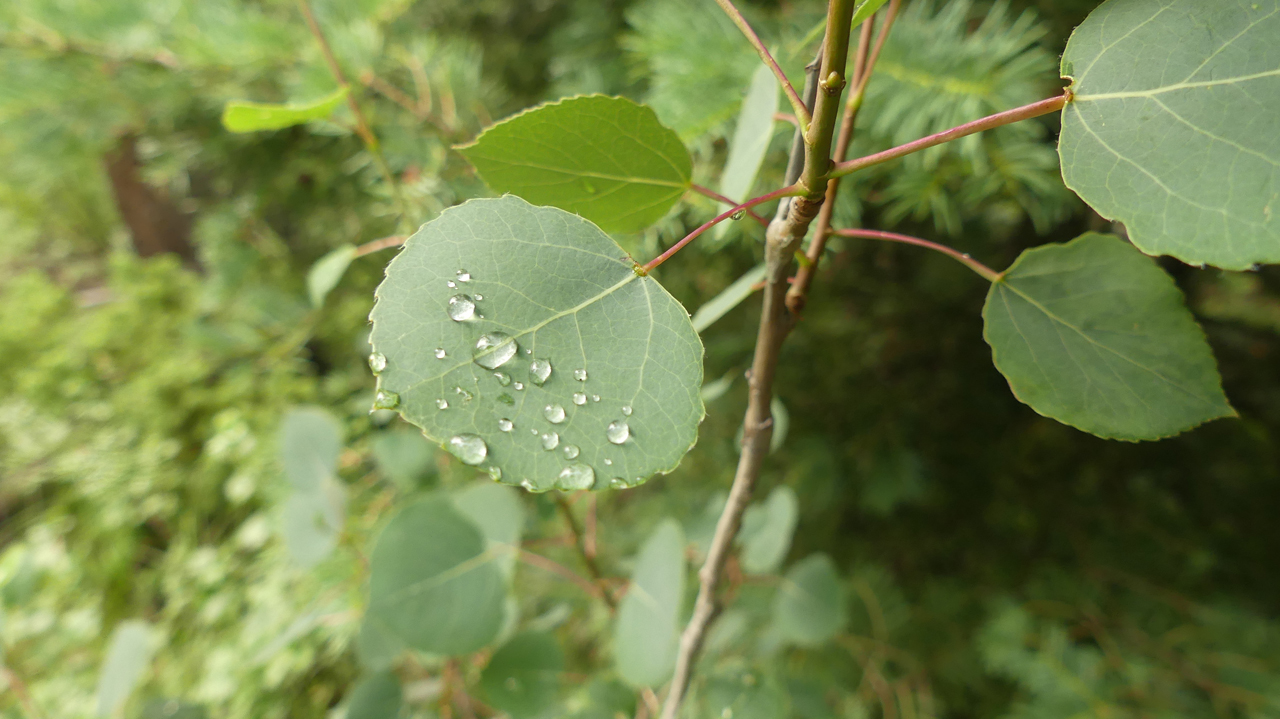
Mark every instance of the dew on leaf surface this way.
pixel 440 353
pixel 576 476
pixel 494 349
pixel 618 483
pixel 554 413
pixel 377 362
pixel 465 395
pixel 579 398
pixel 452 285
pixel 461 308
pixel 386 400
pixel 617 432
pixel 464 276
pixel 495 473
pixel 519 386
pixel 479 297
pixel 571 451
pixel 550 440
pixel 507 399
pixel 442 403
pixel 608 462
pixel 469 448
pixel 580 375
pixel 595 398
pixel 504 379
pixel 506 425
pixel 541 370
pixel 626 410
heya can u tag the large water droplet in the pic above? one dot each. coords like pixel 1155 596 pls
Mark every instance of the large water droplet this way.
pixel 506 425
pixel 554 413
pixel 461 308
pixel 579 398
pixel 469 448
pixel 626 410
pixel 464 276
pixel 504 379
pixel 442 403
pixel 377 362
pixel 386 400
pixel 550 440
pixel 576 476
pixel 479 297
pixel 465 395
pixel 617 432
pixel 495 473
pixel 580 375
pixel 494 349
pixel 440 353
pixel 571 451
pixel 541 370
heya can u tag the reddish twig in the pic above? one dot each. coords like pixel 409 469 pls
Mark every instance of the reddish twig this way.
pixel 376 245
pixel 706 192
pixel 579 544
pixel 987 273
pixel 550 565
pixel 789 191
pixel 797 105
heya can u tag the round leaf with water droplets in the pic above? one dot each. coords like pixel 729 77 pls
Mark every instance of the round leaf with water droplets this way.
pixel 573 372
pixel 1173 126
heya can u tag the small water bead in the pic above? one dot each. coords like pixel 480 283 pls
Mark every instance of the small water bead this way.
pixel 452 285
pixel 377 362
pixel 465 395
pixel 618 483
pixel 494 349
pixel 519 386
pixel 595 398
pixel 504 379
pixel 479 297
pixel 464 276
pixel 579 398
pixel 506 425
pixel 738 215
pixel 527 485
pixel 461 308
pixel 617 432
pixel 495 473
pixel 469 448
pixel 626 410
pixel 571 451
pixel 576 476
pixel 386 400
pixel 541 370
pixel 554 413
pixel 442 403
pixel 550 441
pixel 608 462
pixel 440 353
pixel 580 375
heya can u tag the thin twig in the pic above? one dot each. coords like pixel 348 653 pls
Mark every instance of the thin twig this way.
pixel 1026 112
pixel 382 244
pixel 589 540
pixel 580 545
pixel 706 192
pixel 790 191
pixel 801 111
pixel 550 565
pixel 985 272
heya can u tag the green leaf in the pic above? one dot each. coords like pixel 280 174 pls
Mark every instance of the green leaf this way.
pixel 1095 335
pixel 767 529
pixel 744 694
pixel 644 639
pixel 605 158
pixel 251 117
pixel 497 512
pixel 162 708
pixel 128 656
pixel 310 442
pixel 866 9
pixel 377 647
pixel 327 272
pixel 523 677
pixel 375 696
pixel 311 521
pixel 730 297
pixel 240 116
pixel 751 136
pixel 432 583
pixel 1172 128
pixel 566 295
pixel 809 607
pixel 404 456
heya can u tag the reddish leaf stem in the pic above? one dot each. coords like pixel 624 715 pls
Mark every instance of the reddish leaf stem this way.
pixel 725 200
pixel 987 273
pixel 789 191
pixel 801 111
pixel 382 244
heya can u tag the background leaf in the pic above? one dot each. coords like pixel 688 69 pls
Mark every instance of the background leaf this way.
pixel 498 513
pixel 327 272
pixel 866 9
pixel 605 158
pixel 751 136
pixel 432 583
pixel 644 639
pixel 239 116
pixel 1094 334
pixel 310 521
pixel 732 296
pixel 1172 129
pixel 523 676
pixel 405 456
pixel 127 658
pixel 766 531
pixel 567 296
pixel 809 607
pixel 310 442
pixel 375 696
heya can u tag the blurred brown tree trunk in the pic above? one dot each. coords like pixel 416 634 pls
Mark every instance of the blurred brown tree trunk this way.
pixel 155 223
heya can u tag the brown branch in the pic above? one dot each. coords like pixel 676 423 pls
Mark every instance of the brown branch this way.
pixel 156 225
pixel 797 105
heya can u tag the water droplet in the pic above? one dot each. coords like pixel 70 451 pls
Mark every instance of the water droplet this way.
pixel 608 462
pixel 579 398
pixel 464 276
pixel 626 410
pixel 519 386
pixel 386 400
pixel 495 473
pixel 377 362
pixel 580 375
pixel 494 349
pixel 738 215
pixel 461 308
pixel 442 403
pixel 479 297
pixel 550 440
pixel 465 395
pixel 534 431
pixel 595 398
pixel 576 476
pixel 618 483
pixel 571 451
pixel 507 399
pixel 541 370
pixel 590 188
pixel 506 425
pixel 469 448
pixel 504 379
pixel 617 432
pixel 554 413
pixel 452 285
pixel 440 353
pixel 528 352
pixel 526 484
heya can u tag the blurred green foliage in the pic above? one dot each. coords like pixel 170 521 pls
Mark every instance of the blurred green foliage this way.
pixel 992 562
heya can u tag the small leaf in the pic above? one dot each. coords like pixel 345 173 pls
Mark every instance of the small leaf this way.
pixel 866 9
pixel 744 694
pixel 310 442
pixel 327 272
pixel 127 658
pixel 432 583
pixel 497 512
pixel 375 696
pixel 644 639
pixel 523 677
pixel 377 647
pixel 564 303
pixel 312 520
pixel 730 297
pixel 240 116
pixel 751 136
pixel 781 424
pixel 1095 335
pixel 767 530
pixel 404 456
pixel 809 608
pixel 605 158
pixel 1172 127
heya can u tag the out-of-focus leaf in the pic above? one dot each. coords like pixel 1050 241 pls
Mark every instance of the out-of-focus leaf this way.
pixel 377 646
pixel 781 424
pixel 766 531
pixel 523 676
pixel 172 709
pixel 751 136
pixel 311 521
pixel 310 442
pixel 376 696
pixel 497 511
pixel 644 639
pixel 716 388
pixel 730 297
pixel 405 456
pixel 240 116
pixel 809 607
pixel 745 694
pixel 866 9
pixel 327 272
pixel 128 656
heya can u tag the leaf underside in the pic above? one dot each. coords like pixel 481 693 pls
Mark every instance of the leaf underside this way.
pixel 1095 335
pixel 605 158
pixel 567 294
pixel 1173 127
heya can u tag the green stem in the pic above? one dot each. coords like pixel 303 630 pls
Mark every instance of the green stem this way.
pixel 985 272
pixel 802 112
